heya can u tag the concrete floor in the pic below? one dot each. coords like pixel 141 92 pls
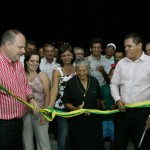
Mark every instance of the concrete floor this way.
pixel 53 142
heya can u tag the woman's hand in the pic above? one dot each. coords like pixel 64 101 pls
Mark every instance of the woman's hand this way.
pixel 80 106
pixel 36 106
pixel 43 120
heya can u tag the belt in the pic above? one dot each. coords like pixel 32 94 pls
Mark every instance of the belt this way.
pixel 14 119
pixel 137 109
pixel 10 122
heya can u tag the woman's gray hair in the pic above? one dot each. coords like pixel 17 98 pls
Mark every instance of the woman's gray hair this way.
pixel 82 61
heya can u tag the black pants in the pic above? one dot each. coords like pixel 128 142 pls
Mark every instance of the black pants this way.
pixel 85 133
pixel 11 134
pixel 131 124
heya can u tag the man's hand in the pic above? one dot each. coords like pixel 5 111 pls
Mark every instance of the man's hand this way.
pixel 100 68
pixel 101 105
pixel 36 106
pixel 114 106
pixel 120 104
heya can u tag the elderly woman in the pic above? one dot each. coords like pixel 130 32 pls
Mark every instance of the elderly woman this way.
pixel 83 91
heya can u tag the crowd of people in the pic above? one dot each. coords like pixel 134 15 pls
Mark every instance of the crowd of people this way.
pixel 65 79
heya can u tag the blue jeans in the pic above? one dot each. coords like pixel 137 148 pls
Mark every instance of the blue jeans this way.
pixel 108 130
pixel 63 141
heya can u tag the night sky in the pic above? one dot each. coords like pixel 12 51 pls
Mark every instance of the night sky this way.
pixel 76 22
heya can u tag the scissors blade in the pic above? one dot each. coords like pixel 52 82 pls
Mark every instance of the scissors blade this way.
pixel 142 138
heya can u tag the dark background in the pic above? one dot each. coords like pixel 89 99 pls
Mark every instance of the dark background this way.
pixel 76 22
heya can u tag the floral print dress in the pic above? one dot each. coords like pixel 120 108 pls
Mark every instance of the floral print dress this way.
pixel 62 84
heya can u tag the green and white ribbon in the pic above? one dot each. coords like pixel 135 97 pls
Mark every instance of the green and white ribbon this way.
pixel 50 113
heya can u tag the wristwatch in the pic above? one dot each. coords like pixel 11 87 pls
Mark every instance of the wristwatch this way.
pixel 31 98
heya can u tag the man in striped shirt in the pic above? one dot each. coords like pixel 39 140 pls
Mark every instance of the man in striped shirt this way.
pixel 13 78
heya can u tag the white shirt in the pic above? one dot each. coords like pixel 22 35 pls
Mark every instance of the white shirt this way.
pixel 22 59
pixel 111 60
pixel 46 67
pixel 131 80
pixel 94 63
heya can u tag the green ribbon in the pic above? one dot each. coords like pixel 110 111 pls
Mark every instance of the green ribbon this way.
pixel 50 113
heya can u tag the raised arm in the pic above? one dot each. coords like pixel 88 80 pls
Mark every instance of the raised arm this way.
pixel 46 88
pixel 54 88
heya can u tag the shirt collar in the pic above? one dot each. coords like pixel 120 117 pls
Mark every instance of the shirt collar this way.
pixel 142 58
pixel 44 60
pixel 93 58
pixel 112 58
pixel 5 58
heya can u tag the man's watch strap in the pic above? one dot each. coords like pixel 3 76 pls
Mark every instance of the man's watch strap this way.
pixel 31 98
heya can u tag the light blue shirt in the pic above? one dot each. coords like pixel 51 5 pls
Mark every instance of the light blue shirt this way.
pixel 94 63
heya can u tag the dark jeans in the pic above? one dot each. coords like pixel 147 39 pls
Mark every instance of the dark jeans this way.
pixel 11 134
pixel 63 133
pixel 63 141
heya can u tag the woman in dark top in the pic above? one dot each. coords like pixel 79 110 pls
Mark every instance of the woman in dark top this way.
pixel 83 91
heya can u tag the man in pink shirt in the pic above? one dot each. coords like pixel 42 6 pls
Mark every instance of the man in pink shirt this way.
pixel 130 84
pixel 13 78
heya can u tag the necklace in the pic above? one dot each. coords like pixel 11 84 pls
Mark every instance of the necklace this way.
pixel 84 93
